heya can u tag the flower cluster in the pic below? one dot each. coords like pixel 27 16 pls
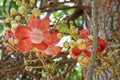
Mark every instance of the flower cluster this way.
pixel 36 35
pixel 83 46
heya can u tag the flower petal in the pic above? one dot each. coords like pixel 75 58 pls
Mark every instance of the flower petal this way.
pixel 44 24
pixel 101 45
pixel 33 22
pixel 52 50
pixel 83 33
pixel 49 51
pixel 88 50
pixel 57 50
pixel 22 32
pixel 54 36
pixel 87 53
pixel 48 40
pixel 76 51
pixel 25 45
pixel 41 46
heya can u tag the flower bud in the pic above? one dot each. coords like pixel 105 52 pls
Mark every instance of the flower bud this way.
pixel 18 3
pixel 13 11
pixel 35 12
pixel 72 43
pixel 66 44
pixel 13 22
pixel 18 18
pixel 22 10
pixel 7 20
pixel 14 26
pixel 59 35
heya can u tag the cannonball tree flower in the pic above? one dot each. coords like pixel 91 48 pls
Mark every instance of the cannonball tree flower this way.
pixel 33 34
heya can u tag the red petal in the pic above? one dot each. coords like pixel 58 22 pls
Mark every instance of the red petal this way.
pixel 76 51
pixel 101 45
pixel 33 22
pixel 52 50
pixel 25 45
pixel 57 49
pixel 54 36
pixel 87 53
pixel 83 33
pixel 22 32
pixel 41 46
pixel 49 51
pixel 88 50
pixel 44 24
pixel 48 40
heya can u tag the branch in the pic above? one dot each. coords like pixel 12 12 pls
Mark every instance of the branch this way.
pixel 51 4
pixel 95 41
pixel 3 7
pixel 11 70
pixel 65 8
pixel 10 5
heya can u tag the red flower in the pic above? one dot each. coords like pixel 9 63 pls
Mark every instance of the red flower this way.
pixel 76 51
pixel 33 35
pixel 101 47
pixel 83 33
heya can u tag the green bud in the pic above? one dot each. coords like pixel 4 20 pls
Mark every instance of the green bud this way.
pixel 13 11
pixel 18 18
pixel 18 3
pixel 66 44
pixel 13 21
pixel 14 26
pixel 7 20
pixel 35 12
pixel 32 2
pixel 22 10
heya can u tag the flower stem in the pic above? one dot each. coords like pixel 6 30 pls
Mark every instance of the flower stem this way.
pixel 45 65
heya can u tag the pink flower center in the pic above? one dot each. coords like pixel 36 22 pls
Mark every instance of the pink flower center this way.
pixel 36 36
